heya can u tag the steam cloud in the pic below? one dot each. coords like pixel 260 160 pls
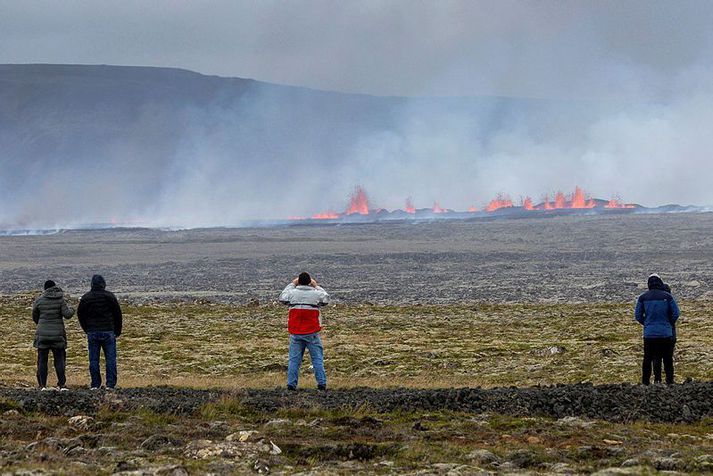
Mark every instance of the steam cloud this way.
pixel 268 156
pixel 271 153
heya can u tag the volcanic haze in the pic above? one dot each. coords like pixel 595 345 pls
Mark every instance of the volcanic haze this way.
pixel 167 147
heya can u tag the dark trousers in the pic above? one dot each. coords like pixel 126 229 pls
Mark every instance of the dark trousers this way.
pixel 657 349
pixel 59 356
pixel 102 341
pixel 659 361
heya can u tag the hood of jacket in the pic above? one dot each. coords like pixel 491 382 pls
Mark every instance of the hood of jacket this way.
pixel 655 282
pixel 55 292
pixel 98 282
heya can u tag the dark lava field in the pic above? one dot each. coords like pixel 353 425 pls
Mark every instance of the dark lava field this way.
pixel 560 259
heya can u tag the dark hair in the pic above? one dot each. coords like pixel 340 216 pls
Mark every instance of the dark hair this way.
pixel 304 279
pixel 49 284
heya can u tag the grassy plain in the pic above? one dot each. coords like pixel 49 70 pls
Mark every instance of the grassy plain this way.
pixel 234 346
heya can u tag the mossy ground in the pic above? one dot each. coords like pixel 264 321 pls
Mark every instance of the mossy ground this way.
pixel 212 345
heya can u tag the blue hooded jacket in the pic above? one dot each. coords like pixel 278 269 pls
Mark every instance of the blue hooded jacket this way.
pixel 656 310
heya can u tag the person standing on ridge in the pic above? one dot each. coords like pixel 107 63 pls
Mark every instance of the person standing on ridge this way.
pixel 49 311
pixel 657 311
pixel 99 315
pixel 304 297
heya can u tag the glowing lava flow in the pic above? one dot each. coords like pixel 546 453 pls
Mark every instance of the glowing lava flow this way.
pixel 325 216
pixel 359 205
pixel 616 203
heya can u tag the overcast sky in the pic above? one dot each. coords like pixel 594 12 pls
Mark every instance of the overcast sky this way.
pixel 539 49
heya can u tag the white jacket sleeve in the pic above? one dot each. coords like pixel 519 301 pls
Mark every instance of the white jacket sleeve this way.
pixel 286 294
pixel 323 296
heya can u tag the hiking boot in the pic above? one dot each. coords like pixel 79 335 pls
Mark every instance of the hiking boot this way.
pixel 291 388
pixel 322 388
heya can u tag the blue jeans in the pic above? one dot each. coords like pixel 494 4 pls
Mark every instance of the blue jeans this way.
pixel 105 341
pixel 313 343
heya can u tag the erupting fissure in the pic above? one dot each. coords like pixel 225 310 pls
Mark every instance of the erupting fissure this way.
pixel 358 202
pixel 359 205
pixel 410 208
pixel 501 201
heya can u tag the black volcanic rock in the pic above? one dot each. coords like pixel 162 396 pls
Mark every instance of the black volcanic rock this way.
pixel 688 402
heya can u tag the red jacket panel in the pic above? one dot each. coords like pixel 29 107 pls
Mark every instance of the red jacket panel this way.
pixel 303 321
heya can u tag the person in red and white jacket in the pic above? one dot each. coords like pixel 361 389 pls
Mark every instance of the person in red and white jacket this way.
pixel 305 297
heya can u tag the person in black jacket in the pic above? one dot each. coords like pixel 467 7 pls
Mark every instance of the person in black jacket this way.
pixel 99 315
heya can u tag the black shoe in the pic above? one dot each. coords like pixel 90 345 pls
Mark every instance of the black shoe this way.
pixel 291 388
pixel 322 388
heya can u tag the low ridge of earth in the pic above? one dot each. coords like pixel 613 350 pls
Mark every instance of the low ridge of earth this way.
pixel 562 259
pixel 687 402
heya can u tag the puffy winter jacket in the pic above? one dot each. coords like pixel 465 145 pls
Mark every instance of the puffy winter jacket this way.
pixel 657 311
pixel 304 301
pixel 99 310
pixel 49 312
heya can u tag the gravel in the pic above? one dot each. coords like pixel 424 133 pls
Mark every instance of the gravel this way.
pixel 564 259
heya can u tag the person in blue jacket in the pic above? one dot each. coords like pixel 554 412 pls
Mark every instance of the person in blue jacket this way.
pixel 658 312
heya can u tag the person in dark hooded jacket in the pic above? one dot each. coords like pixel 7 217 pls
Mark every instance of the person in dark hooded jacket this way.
pixel 49 311
pixel 100 316
pixel 657 311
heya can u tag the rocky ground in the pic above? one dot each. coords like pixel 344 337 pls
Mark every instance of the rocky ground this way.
pixel 688 402
pixel 563 259
pixel 614 429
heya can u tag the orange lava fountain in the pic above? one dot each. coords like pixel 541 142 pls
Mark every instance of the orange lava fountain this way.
pixel 501 201
pixel 358 202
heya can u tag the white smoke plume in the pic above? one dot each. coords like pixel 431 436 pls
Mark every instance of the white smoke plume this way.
pixel 613 96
